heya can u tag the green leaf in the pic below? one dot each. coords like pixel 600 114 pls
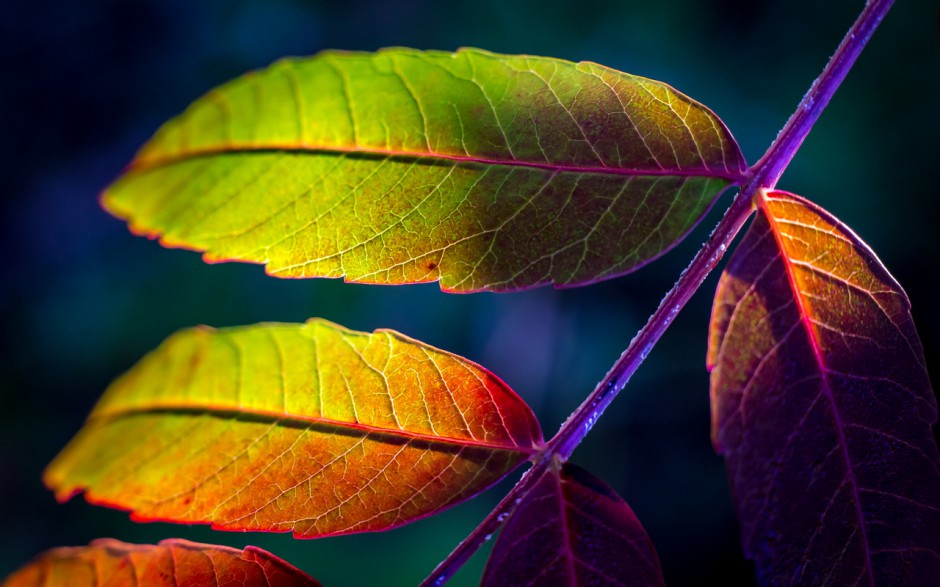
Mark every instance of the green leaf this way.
pixel 483 171
pixel 309 428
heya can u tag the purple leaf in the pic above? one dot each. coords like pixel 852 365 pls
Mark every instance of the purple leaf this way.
pixel 571 529
pixel 822 407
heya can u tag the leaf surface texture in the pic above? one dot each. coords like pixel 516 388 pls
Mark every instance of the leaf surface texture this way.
pixel 482 171
pixel 309 428
pixel 172 563
pixel 572 530
pixel 822 406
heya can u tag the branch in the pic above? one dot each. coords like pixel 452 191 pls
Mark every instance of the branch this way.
pixel 763 175
pixel 768 170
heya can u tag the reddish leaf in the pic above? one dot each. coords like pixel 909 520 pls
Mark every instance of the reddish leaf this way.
pixel 572 530
pixel 822 406
pixel 172 563
pixel 307 428
pixel 480 170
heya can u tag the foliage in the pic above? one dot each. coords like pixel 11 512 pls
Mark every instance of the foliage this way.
pixel 168 564
pixel 482 171
pixel 503 173
pixel 819 390
pixel 312 429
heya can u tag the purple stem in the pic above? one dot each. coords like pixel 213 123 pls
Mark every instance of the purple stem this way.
pixel 490 524
pixel 764 175
pixel 768 170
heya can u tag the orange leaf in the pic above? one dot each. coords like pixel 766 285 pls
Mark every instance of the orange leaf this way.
pixel 307 428
pixel 111 563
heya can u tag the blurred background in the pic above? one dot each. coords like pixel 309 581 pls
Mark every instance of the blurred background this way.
pixel 86 83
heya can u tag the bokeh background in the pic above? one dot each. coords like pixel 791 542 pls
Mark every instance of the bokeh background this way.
pixel 85 83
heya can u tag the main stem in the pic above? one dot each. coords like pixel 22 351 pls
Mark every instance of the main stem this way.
pixel 764 175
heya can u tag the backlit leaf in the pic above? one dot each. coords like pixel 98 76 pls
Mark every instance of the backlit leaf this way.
pixel 483 171
pixel 172 563
pixel 822 407
pixel 572 530
pixel 307 428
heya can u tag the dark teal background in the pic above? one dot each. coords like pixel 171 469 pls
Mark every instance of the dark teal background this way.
pixel 85 83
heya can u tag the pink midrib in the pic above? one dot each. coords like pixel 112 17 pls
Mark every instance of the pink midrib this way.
pixel 565 522
pixel 149 163
pixel 511 446
pixel 814 343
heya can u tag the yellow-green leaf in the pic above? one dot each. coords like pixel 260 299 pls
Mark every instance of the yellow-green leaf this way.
pixel 307 428
pixel 483 171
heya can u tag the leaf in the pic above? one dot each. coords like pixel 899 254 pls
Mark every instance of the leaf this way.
pixel 571 529
pixel 822 407
pixel 307 428
pixel 172 563
pixel 483 171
